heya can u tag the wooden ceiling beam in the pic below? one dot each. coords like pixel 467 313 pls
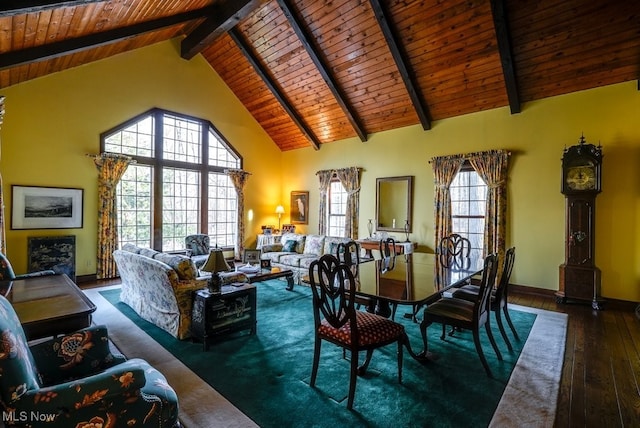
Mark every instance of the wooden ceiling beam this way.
pixel 78 44
pixel 499 12
pixel 402 63
pixel 264 75
pixel 337 92
pixel 21 7
pixel 224 16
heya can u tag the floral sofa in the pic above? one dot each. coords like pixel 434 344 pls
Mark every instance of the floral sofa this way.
pixel 297 251
pixel 159 287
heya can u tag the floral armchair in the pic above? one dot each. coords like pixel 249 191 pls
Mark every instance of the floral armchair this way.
pixel 7 273
pixel 198 247
pixel 75 381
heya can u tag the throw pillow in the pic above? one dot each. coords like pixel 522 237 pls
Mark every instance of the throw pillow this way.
pixel 289 246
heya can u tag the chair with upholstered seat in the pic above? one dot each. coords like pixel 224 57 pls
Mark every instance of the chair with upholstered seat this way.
pixel 465 314
pixel 337 321
pixel 7 273
pixel 499 296
pixel 75 380
pixel 198 247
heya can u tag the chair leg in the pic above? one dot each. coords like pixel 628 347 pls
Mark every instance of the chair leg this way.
pixel 393 311
pixel 444 333
pixel 487 327
pixel 483 360
pixel 316 361
pixel 513 329
pixel 353 376
pixel 363 368
pixel 502 332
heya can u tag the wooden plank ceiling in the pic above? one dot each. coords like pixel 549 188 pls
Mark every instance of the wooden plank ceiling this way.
pixel 313 72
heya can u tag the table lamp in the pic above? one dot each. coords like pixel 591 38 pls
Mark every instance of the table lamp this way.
pixel 279 211
pixel 215 263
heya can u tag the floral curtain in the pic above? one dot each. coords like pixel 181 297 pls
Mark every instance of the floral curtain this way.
pixel 238 178
pixel 3 239
pixel 445 169
pixel 325 181
pixel 350 179
pixel 492 166
pixel 111 167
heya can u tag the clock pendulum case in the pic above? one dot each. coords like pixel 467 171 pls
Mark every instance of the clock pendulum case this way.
pixel 581 183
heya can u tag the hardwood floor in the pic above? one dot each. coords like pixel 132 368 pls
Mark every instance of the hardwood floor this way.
pixel 600 384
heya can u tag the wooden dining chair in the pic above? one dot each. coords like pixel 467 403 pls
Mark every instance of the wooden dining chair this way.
pixel 499 296
pixel 465 314
pixel 338 322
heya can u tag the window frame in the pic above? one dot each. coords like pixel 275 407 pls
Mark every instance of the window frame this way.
pixel 334 180
pixel 158 164
pixel 467 167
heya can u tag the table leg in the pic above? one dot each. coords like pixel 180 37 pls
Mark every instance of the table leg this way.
pixel 425 355
pixel 290 281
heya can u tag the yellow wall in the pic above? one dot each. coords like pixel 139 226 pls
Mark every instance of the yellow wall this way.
pixel 52 122
pixel 536 137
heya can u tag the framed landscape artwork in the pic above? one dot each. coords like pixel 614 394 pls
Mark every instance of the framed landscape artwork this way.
pixel 57 253
pixel 46 207
pixel 299 207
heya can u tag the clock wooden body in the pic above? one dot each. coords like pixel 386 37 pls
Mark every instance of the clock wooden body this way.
pixel 581 183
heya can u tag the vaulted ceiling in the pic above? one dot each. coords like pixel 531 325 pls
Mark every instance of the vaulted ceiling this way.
pixel 313 72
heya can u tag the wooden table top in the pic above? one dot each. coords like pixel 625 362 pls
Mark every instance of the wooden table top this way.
pixel 46 298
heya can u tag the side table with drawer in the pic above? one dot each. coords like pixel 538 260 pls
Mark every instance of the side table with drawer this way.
pixel 232 310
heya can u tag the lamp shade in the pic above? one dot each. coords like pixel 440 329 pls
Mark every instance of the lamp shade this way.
pixel 215 262
pixel 279 209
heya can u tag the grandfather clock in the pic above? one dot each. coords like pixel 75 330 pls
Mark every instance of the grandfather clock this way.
pixel 581 183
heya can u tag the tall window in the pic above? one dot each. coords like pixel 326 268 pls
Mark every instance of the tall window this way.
pixel 177 187
pixel 468 205
pixel 337 201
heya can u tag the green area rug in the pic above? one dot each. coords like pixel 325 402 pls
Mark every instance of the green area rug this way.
pixel 266 375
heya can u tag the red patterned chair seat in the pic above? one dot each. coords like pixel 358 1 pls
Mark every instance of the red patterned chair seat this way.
pixel 372 329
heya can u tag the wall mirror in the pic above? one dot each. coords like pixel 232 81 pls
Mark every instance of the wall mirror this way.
pixel 394 201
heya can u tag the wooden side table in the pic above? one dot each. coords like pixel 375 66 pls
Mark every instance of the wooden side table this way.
pixel 214 315
pixel 373 244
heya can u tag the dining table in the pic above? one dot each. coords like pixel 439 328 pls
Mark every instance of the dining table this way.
pixel 413 280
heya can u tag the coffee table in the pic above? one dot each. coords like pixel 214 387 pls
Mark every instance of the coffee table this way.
pixel 267 274
pixel 49 305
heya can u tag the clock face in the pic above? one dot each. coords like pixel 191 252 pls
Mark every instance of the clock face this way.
pixel 581 177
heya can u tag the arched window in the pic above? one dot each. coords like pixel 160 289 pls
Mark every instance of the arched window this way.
pixel 177 187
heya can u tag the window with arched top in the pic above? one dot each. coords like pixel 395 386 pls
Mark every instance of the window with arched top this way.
pixel 178 186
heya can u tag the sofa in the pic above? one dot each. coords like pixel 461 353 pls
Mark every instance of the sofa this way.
pixel 159 287
pixel 298 251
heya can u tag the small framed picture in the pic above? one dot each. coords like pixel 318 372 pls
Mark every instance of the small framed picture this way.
pixel 300 207
pixel 252 256
pixel 265 264
pixel 288 228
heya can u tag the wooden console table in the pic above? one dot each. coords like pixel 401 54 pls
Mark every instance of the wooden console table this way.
pixel 373 244
pixel 48 305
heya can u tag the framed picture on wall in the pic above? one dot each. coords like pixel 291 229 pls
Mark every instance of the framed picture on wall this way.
pixel 299 207
pixel 36 207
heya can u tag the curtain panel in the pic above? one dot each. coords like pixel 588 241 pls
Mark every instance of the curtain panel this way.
pixel 111 167
pixel 325 182
pixel 492 166
pixel 239 178
pixel 350 179
pixel 445 169
pixel 3 237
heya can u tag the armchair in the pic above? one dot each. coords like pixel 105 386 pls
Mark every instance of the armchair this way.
pixel 7 273
pixel 75 380
pixel 198 247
